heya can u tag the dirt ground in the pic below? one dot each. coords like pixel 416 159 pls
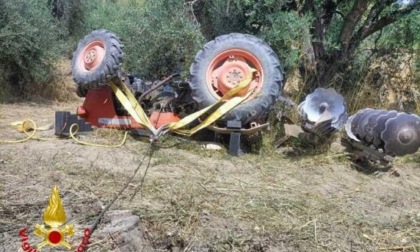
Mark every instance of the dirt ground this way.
pixel 205 200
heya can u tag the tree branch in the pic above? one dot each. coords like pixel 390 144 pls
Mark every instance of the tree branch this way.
pixel 388 19
pixel 373 16
pixel 339 2
pixel 228 7
pixel 350 22
pixel 329 9
pixel 376 10
pixel 316 30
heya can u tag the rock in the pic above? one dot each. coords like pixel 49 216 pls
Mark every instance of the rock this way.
pixel 337 147
pixel 124 228
pixel 212 146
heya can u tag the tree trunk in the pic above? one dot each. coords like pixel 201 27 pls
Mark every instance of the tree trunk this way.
pixel 328 68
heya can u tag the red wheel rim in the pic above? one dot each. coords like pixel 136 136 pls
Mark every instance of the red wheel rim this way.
pixel 91 56
pixel 229 68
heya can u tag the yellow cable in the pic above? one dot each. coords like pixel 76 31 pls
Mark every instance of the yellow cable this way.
pixel 24 130
pixel 25 127
pixel 73 132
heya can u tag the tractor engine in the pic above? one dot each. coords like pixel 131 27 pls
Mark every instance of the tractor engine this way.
pixel 168 98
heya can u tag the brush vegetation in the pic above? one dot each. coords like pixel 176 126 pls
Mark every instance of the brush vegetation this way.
pixel 324 43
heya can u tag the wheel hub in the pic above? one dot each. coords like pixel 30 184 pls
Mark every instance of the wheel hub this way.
pixel 229 68
pixel 234 76
pixel 92 56
pixel 230 74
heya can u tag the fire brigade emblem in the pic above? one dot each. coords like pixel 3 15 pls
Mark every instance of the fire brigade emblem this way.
pixel 52 232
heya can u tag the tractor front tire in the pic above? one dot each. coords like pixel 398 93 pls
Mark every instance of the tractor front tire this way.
pixel 97 59
pixel 225 58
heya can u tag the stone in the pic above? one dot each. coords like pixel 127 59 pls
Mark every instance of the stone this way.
pixel 124 228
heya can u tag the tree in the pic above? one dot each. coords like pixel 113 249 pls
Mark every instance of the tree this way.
pixel 158 36
pixel 336 28
pixel 357 19
pixel 70 13
pixel 29 44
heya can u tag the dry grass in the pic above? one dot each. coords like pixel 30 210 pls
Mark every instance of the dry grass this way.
pixel 255 204
pixel 200 200
pixel 60 88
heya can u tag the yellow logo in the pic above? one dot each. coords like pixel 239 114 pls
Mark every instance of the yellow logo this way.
pixel 52 231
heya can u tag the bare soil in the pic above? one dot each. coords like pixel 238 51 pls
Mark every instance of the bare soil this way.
pixel 204 200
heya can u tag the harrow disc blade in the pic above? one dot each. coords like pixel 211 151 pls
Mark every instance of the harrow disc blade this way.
pixel 323 100
pixel 347 127
pixel 372 122
pixel 339 124
pixel 363 121
pixel 402 134
pixel 356 120
pixel 380 126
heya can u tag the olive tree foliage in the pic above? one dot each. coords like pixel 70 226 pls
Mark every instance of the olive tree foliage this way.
pixel 158 37
pixel 340 28
pixel 285 31
pixel 27 42
pixel 70 13
pixel 322 37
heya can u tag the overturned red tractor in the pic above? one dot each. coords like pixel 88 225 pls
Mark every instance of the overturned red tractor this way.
pixel 235 80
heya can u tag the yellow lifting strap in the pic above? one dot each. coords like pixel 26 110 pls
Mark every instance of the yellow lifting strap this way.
pixel 130 103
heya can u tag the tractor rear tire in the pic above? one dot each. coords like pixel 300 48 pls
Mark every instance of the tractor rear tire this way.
pixel 253 50
pixel 97 59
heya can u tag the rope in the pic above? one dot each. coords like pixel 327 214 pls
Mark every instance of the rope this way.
pixel 25 127
pixel 152 150
pixel 73 132
pixel 124 187
pixel 28 125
